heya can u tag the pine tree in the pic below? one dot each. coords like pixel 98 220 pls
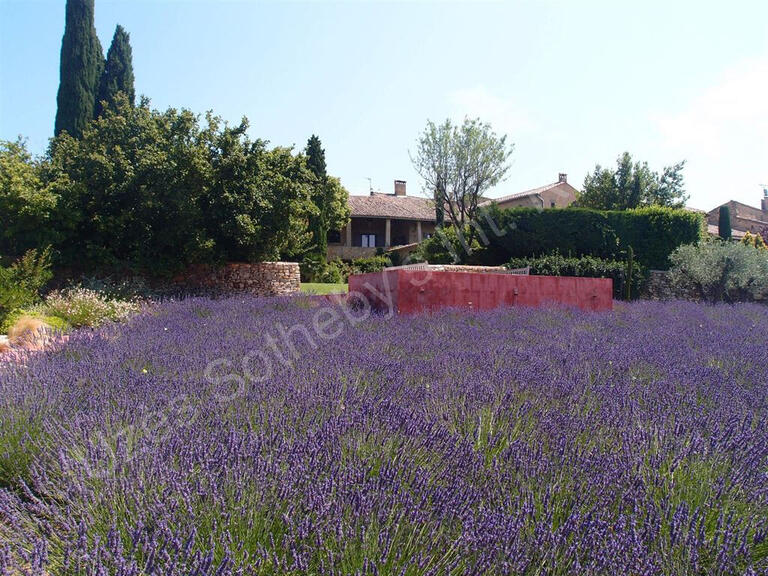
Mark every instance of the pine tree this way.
pixel 118 71
pixel 319 223
pixel 82 62
pixel 724 223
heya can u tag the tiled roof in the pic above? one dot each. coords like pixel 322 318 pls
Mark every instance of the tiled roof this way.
pixel 391 206
pixel 532 192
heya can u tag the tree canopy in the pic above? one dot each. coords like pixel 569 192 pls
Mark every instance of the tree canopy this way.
pixel 459 163
pixel 155 191
pixel 633 185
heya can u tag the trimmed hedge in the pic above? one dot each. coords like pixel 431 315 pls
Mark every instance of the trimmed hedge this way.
pixel 653 233
pixel 586 266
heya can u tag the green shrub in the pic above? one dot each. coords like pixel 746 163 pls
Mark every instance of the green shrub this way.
pixel 720 271
pixel 312 267
pixel 372 264
pixel 585 266
pixel 336 272
pixel 80 307
pixel 20 283
pixel 653 233
pixel 447 247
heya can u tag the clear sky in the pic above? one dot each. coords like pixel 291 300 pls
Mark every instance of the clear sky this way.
pixel 572 83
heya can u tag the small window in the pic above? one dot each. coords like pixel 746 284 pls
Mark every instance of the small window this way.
pixel 368 241
pixel 551 204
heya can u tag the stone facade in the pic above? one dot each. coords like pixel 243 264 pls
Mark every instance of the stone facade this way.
pixel 261 278
pixel 744 218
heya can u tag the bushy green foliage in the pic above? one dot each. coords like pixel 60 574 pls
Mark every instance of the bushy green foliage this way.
pixel 633 185
pixel 81 65
pixel 447 246
pixel 336 272
pixel 652 232
pixel 27 207
pixel 372 264
pixel 585 266
pixel 21 282
pixel 720 271
pixel 154 192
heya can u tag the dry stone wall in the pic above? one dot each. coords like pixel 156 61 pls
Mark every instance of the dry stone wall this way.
pixel 261 278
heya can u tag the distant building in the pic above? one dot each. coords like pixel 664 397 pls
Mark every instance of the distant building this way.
pixel 559 194
pixel 382 221
pixel 744 218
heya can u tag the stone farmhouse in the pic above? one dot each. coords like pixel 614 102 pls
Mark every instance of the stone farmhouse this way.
pixel 383 222
pixel 559 194
pixel 744 218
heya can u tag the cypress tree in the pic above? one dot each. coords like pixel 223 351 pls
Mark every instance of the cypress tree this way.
pixel 118 71
pixel 82 61
pixel 318 225
pixel 316 157
pixel 724 223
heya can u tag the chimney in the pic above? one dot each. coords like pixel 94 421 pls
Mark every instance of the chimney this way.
pixel 399 187
pixel 562 178
pixel 764 203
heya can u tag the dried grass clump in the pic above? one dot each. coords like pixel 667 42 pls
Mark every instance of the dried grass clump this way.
pixel 28 331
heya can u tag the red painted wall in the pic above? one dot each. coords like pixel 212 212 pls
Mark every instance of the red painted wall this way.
pixel 413 291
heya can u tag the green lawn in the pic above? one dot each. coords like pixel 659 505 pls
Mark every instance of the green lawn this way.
pixel 317 288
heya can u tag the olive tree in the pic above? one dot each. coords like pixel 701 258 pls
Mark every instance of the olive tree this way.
pixel 720 271
pixel 460 163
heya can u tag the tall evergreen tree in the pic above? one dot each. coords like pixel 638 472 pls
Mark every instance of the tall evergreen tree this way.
pixel 724 223
pixel 316 157
pixel 118 71
pixel 316 164
pixel 82 62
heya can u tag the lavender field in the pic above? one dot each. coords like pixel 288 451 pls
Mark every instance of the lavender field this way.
pixel 271 437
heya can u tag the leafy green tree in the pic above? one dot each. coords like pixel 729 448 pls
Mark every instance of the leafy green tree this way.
pixel 82 62
pixel 328 197
pixel 724 223
pixel 633 185
pixel 27 206
pixel 118 72
pixel 257 205
pixel 458 164
pixel 129 189
pixel 720 271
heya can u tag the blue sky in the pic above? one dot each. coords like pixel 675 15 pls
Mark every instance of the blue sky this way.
pixel 571 83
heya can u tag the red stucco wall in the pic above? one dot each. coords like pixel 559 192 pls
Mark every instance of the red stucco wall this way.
pixel 413 291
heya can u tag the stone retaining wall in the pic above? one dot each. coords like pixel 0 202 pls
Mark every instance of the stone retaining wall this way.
pixel 659 287
pixel 261 278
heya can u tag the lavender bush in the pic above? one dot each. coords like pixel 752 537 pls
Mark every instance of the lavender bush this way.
pixel 248 436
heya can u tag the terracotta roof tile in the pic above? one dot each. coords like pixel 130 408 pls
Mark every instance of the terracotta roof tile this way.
pixel 391 206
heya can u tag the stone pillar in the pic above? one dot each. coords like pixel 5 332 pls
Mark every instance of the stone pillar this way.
pixel 418 231
pixel 349 234
pixel 387 234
